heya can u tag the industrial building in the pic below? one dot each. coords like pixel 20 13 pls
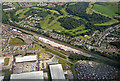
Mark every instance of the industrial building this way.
pixel 56 71
pixel 62 47
pixel 26 58
pixel 1 60
pixel 28 75
pixel 1 78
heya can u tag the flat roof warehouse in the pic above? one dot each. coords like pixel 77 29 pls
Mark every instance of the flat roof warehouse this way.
pixel 26 58
pixel 28 75
pixel 56 71
pixel 63 47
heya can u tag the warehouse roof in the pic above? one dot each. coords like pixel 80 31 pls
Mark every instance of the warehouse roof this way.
pixel 1 60
pixel 28 75
pixel 57 71
pixel 26 58
pixel 1 78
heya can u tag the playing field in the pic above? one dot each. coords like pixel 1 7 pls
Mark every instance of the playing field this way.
pixel 16 41
pixel 107 10
pixel 6 61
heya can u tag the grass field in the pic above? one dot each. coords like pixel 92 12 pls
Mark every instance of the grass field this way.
pixel 107 10
pixel 73 3
pixel 88 10
pixel 6 61
pixel 109 22
pixel 78 30
pixel 16 41
pixel 64 10
pixel 46 53
pixel 37 46
pixel 21 12
pixel 64 64
pixel 53 11
pixel 16 4
pixel 56 53
pixel 7 74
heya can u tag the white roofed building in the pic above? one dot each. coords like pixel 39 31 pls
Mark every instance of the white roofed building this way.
pixel 1 78
pixel 1 60
pixel 56 71
pixel 28 75
pixel 26 58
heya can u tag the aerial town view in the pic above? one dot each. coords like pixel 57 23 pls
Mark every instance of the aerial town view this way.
pixel 60 41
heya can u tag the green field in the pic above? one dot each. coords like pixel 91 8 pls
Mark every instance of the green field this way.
pixel 53 11
pixel 5 7
pixel 64 64
pixel 48 23
pixel 37 46
pixel 88 10
pixel 56 53
pixel 73 3
pixel 6 61
pixel 16 41
pixel 107 10
pixel 21 12
pixel 109 22
pixel 46 53
pixel 16 4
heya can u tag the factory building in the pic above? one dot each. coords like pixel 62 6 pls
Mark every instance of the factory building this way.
pixel 29 58
pixel 56 72
pixel 28 75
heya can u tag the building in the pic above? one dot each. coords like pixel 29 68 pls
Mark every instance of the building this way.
pixel 1 60
pixel 28 75
pixel 26 58
pixel 56 71
pixel 1 78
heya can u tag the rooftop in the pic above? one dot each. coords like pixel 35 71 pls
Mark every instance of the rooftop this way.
pixel 56 71
pixel 26 58
pixel 1 60
pixel 28 75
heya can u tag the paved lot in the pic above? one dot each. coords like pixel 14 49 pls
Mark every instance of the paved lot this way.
pixel 24 67
pixel 92 70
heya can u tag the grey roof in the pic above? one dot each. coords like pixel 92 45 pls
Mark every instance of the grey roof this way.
pixel 28 75
pixel 1 78
pixel 56 71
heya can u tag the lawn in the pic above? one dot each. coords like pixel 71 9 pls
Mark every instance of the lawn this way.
pixel 109 22
pixel 16 4
pixel 53 11
pixel 5 7
pixel 78 30
pixel 56 26
pixel 6 61
pixel 16 41
pixel 64 10
pixel 46 53
pixel 55 52
pixel 82 27
pixel 7 74
pixel 73 3
pixel 37 46
pixel 44 23
pixel 21 12
pixel 88 10
pixel 64 64
pixel 107 10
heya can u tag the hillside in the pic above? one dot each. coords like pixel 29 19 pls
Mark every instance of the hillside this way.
pixel 79 18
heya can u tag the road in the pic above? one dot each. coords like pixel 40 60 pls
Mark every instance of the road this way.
pixel 22 51
pixel 84 51
pixel 95 55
